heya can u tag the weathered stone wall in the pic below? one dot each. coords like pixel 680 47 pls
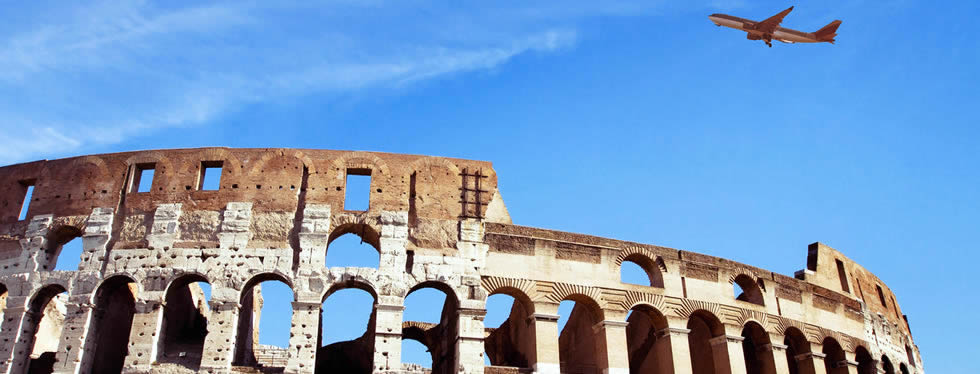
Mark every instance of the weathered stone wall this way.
pixel 131 305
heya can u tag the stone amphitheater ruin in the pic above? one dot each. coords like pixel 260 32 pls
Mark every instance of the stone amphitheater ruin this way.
pixel 437 223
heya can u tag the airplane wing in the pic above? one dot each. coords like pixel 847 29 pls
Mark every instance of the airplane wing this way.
pixel 770 24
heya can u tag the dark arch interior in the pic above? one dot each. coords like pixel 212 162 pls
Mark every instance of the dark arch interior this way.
pixel 112 320
pixel 835 360
pixel 704 327
pixel 512 342
pixel 648 351
pixel 577 339
pixel 758 358
pixel 866 364
pixel 44 308
pixel 796 344
pixel 904 369
pixel 751 292
pixel 343 304
pixel 255 304
pixel 886 364
pixel 439 338
pixel 185 322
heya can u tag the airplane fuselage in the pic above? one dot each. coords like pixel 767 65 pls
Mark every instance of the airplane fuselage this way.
pixel 782 34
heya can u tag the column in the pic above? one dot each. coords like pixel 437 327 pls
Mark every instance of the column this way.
pixel 613 354
pixel 469 344
pixel 851 362
pixel 222 331
pixel 75 348
pixel 728 348
pixel 303 334
pixel 545 341
pixel 388 337
pixel 812 360
pixel 779 357
pixel 680 349
pixel 144 336
pixel 10 348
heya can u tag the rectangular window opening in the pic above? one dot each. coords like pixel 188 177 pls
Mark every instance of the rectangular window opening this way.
pixel 357 192
pixel 843 276
pixel 895 306
pixel 881 296
pixel 143 179
pixel 28 195
pixel 210 178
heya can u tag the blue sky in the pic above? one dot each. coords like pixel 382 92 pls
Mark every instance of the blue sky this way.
pixel 633 120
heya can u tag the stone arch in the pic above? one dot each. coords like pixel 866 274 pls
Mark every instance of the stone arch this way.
pixel 578 342
pixel 757 349
pixel 96 161
pixel 751 292
pixel 653 265
pixel 222 154
pixel 39 331
pixel 708 354
pixel 163 169
pixel 428 180
pixel 56 238
pixel 112 320
pixel 257 168
pixel 184 326
pixel 350 356
pixel 444 334
pixel 634 299
pixel 80 175
pixel 247 337
pixel 796 344
pixel 590 295
pixel 345 224
pixel 428 161
pixel 513 343
pixel 646 351
pixel 866 364
pixel 835 361
pixel 886 365
pixel 359 160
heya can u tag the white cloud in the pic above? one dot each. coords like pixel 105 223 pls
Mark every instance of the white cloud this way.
pixel 125 68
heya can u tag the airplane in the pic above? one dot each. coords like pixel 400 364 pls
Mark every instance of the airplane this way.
pixel 769 29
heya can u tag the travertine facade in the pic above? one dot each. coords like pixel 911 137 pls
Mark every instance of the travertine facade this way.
pixel 436 222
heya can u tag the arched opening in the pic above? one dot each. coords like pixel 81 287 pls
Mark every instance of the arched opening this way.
pixel 641 270
pixel 353 245
pixel 440 328
pixel 64 249
pixel 346 333
pixel 264 323
pixel 886 365
pixel 577 343
pixel 866 364
pixel 746 289
pixel 757 350
pixel 42 326
pixel 511 342
pixel 835 361
pixel 185 321
pixel 707 355
pixel 648 350
pixel 112 320
pixel 796 344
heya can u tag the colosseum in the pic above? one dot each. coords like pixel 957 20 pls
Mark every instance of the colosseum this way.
pixel 436 223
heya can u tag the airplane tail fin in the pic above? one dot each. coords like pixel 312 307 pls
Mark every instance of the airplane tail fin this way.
pixel 827 33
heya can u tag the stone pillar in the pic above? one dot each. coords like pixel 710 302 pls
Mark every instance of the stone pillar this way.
pixel 303 335
pixel 388 336
pixel 95 240
pixel 219 345
pixel 779 357
pixel 613 354
pixel 144 336
pixel 680 349
pixel 730 346
pixel 35 241
pixel 76 346
pixel 469 344
pixel 394 236
pixel 851 362
pixel 11 351
pixel 314 235
pixel 811 362
pixel 236 220
pixel 546 341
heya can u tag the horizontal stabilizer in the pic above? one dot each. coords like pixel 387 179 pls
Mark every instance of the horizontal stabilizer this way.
pixel 827 33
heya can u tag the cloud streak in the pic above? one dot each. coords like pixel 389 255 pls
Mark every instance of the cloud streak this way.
pixel 126 68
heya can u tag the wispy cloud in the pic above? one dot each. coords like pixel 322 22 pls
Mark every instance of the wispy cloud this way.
pixel 93 75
